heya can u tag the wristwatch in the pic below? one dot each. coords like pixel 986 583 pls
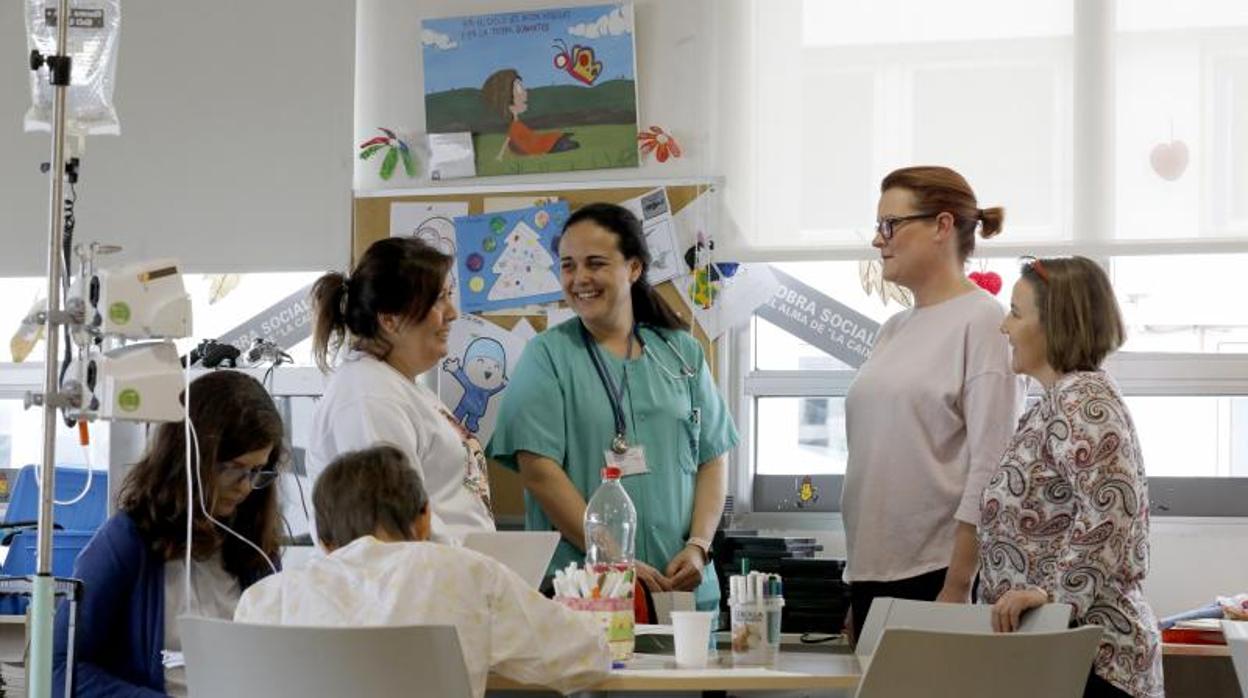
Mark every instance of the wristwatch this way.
pixel 701 544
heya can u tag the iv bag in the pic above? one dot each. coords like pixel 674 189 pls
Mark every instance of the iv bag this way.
pixel 93 32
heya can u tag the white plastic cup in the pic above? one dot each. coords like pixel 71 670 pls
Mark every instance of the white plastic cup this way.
pixel 691 629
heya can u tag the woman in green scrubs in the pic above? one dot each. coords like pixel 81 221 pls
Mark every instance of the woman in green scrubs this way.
pixel 622 382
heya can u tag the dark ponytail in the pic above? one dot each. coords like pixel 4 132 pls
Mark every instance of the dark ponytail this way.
pixel 649 308
pixel 328 325
pixel 395 276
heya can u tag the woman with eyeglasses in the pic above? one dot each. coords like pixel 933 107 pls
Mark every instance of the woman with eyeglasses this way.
pixel 930 412
pixel 393 315
pixel 1065 516
pixel 623 383
pixel 134 570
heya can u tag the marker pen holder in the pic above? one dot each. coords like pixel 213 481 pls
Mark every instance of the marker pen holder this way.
pixel 756 631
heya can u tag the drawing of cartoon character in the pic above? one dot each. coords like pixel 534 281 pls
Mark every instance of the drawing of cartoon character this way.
pixel 807 492
pixel 482 373
pixel 505 94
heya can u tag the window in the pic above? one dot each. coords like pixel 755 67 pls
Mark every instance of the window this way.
pixel 999 91
pixel 21 437
pixel 251 295
pixel 219 302
pixel 1184 303
pixel 1186 382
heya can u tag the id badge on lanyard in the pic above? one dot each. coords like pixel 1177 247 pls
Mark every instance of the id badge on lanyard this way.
pixel 631 462
pixel 630 459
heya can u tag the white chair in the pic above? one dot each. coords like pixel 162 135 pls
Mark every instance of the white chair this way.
pixel 888 613
pixel 231 660
pixel 981 665
pixel 1236 633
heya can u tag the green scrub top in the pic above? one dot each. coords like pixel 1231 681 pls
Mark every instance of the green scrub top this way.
pixel 556 406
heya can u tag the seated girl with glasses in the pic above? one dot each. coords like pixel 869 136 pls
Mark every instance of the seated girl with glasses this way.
pixel 134 569
pixel 373 518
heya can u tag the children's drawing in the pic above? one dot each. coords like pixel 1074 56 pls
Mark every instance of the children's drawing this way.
pixel 482 373
pixel 507 258
pixel 476 372
pixel 542 91
pixel 655 213
pixel 432 223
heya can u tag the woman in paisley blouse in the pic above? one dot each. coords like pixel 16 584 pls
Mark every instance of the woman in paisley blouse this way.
pixel 1065 516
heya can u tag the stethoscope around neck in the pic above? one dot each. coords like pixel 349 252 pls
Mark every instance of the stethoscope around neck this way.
pixel 619 444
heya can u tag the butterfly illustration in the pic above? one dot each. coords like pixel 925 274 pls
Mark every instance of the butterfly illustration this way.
pixel 578 62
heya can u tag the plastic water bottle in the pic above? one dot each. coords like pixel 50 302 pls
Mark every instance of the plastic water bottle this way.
pixel 610 525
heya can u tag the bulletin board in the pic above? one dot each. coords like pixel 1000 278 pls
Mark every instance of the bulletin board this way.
pixel 371 222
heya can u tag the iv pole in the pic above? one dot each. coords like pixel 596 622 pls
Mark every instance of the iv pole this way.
pixel 43 604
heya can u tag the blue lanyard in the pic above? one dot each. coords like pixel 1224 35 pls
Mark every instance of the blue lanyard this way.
pixel 615 393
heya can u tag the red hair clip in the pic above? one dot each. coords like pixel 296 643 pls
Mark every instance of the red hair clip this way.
pixel 1037 267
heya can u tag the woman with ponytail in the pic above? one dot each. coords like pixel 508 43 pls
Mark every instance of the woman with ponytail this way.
pixel 621 384
pixel 931 411
pixel 392 316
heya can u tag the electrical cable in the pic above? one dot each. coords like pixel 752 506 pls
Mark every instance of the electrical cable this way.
pixel 85 442
pixel 204 509
pixel 190 493
pixel 192 471
pixel 820 638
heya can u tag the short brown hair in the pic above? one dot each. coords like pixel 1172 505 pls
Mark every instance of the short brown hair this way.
pixel 395 276
pixel 1082 323
pixel 364 491
pixel 940 189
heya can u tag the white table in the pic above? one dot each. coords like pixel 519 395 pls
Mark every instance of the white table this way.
pixel 794 671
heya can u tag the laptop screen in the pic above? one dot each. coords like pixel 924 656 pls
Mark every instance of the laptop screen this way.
pixel 527 553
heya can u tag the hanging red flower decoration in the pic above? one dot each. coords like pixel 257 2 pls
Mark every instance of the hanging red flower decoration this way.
pixel 656 140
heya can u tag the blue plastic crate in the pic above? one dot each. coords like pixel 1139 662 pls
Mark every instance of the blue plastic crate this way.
pixel 65 548
pixel 85 515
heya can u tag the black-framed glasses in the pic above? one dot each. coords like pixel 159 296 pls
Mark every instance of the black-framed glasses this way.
pixel 887 227
pixel 233 473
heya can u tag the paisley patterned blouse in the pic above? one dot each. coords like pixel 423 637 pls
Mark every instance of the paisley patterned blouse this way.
pixel 1067 512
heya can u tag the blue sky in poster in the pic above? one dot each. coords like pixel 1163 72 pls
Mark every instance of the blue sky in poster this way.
pixel 464 51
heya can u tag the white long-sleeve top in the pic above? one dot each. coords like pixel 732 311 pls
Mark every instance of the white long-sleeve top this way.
pixel 927 419
pixel 504 625
pixel 367 402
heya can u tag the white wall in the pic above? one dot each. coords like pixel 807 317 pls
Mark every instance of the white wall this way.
pixel 674 60
pixel 1193 560
pixel 234 153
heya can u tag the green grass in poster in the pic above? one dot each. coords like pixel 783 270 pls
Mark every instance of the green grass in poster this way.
pixel 602 146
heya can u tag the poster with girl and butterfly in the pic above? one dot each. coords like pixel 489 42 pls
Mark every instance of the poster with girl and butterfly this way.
pixel 541 91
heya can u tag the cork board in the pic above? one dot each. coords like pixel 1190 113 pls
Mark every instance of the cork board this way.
pixel 371 222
